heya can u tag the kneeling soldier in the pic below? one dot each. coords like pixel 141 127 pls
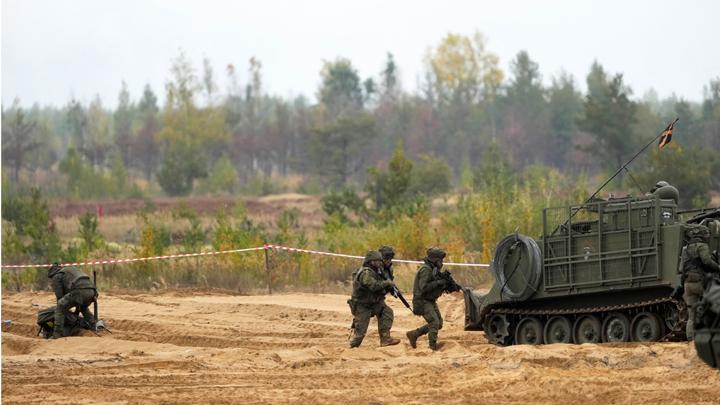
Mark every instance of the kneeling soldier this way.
pixel 73 288
pixel 428 287
pixel 368 300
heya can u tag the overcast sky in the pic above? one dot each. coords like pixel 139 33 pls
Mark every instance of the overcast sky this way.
pixel 53 50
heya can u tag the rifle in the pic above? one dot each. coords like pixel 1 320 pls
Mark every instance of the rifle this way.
pixel 394 291
pixel 452 286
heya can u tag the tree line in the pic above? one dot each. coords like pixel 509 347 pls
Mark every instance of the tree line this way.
pixel 464 113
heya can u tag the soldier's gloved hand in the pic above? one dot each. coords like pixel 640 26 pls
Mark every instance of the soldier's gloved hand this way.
pixel 441 283
pixel 387 284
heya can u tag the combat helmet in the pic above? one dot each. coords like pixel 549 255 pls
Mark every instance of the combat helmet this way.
pixel 435 253
pixel 52 270
pixel 697 233
pixel 372 255
pixel 664 191
pixel 387 252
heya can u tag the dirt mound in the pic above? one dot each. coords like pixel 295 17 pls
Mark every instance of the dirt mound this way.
pixel 219 348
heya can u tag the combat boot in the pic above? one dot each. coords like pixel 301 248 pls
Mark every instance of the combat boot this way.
pixel 412 337
pixel 56 334
pixel 386 340
pixel 434 346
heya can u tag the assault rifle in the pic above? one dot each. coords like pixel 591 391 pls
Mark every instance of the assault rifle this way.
pixel 395 292
pixel 452 286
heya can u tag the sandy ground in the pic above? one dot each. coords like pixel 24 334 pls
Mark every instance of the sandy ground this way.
pixel 199 347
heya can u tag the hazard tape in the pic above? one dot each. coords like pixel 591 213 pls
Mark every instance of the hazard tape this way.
pixel 317 252
pixel 222 252
pixel 135 259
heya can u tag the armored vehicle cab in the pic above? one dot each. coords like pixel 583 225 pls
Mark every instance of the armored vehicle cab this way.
pixel 603 271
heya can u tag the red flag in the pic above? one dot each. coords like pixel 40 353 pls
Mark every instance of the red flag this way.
pixel 666 135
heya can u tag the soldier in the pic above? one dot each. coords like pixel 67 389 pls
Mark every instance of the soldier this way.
pixel 696 262
pixel 368 300
pixel 427 289
pixel 73 288
pixel 707 324
pixel 388 253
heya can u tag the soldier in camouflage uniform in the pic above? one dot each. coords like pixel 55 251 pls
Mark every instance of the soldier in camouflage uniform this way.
pixel 427 289
pixel 697 264
pixel 388 253
pixel 72 288
pixel 368 300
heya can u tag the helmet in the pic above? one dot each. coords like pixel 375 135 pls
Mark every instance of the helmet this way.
pixel 696 232
pixel 387 252
pixel 661 183
pixel 52 270
pixel 435 253
pixel 667 192
pixel 372 255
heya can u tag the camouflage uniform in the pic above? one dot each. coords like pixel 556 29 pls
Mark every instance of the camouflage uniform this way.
pixel 707 325
pixel 427 289
pixel 696 262
pixel 368 300
pixel 72 288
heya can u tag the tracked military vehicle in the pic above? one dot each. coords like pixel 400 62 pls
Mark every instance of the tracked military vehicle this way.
pixel 603 271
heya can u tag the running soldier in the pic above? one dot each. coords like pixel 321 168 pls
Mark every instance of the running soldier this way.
pixel 368 300
pixel 427 289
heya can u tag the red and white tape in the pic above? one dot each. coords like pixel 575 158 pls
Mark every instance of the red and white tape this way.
pixel 134 259
pixel 221 252
pixel 317 252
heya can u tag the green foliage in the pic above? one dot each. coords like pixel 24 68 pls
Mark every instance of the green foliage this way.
pixel 288 226
pixel 310 186
pixel 19 138
pixel 338 150
pixel 566 107
pixel 236 231
pixel 609 117
pixel 688 169
pixel 430 176
pixel 494 174
pixel 98 141
pixel 30 235
pixel 181 165
pixel 260 185
pixel 191 135
pixel 118 175
pixel 122 124
pixel 390 188
pixel 223 178
pixel 463 69
pixel 345 207
pixel 506 204
pixel 155 237
pixel 194 236
pixel 234 141
pixel 84 182
pixel 89 233
pixel 340 90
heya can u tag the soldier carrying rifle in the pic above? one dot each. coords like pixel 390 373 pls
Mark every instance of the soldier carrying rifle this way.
pixel 368 300
pixel 429 285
